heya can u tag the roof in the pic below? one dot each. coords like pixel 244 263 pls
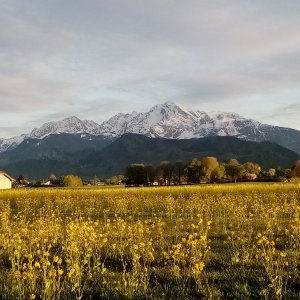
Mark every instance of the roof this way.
pixel 7 176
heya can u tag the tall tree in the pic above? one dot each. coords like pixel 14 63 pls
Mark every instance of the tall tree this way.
pixel 208 164
pixel 150 173
pixel 217 173
pixel 253 168
pixel 194 171
pixel 178 170
pixel 135 174
pixel 165 171
pixel 201 169
pixel 234 170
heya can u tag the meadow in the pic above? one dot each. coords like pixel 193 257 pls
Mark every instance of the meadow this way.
pixel 235 241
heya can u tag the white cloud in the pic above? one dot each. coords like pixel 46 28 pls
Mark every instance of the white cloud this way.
pixel 95 58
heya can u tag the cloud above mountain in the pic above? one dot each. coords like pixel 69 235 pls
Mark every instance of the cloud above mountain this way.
pixel 95 58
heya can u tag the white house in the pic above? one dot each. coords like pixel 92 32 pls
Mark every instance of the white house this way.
pixel 5 181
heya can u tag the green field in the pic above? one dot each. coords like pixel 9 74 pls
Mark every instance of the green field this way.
pixel 236 241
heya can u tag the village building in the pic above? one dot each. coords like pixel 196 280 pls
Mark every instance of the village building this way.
pixel 5 181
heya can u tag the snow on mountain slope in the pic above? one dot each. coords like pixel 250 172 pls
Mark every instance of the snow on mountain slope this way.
pixel 8 144
pixel 167 120
pixel 71 125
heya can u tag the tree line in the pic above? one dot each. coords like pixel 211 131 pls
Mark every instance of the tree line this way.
pixel 198 170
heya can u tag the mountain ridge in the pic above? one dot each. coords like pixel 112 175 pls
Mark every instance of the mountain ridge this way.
pixel 167 120
pixel 107 158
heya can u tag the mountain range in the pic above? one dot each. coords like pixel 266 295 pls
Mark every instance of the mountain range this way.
pixel 167 120
pixel 36 158
pixel 166 132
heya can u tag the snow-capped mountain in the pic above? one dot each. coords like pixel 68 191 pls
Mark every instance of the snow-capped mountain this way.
pixel 71 125
pixel 173 121
pixel 167 120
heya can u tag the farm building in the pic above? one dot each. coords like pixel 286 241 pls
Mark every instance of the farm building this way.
pixel 5 181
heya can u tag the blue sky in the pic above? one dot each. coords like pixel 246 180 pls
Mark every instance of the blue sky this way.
pixel 95 58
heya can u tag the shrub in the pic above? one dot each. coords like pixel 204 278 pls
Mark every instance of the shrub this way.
pixel 295 180
pixel 71 181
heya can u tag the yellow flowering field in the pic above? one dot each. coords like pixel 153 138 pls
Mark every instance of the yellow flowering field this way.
pixel 236 241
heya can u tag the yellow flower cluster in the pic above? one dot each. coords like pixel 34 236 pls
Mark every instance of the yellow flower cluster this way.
pixel 150 243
